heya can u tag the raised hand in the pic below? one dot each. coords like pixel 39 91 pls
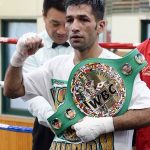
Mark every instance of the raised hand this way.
pixel 27 45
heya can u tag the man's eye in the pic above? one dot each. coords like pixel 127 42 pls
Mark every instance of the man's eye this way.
pixel 69 20
pixel 84 19
pixel 55 24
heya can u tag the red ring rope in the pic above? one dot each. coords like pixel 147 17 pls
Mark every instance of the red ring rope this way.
pixel 104 45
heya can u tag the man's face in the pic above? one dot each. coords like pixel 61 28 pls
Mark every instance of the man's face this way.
pixel 71 114
pixel 81 26
pixel 55 25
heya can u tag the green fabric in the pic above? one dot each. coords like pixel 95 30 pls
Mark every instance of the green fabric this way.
pixel 56 80
pixel 114 63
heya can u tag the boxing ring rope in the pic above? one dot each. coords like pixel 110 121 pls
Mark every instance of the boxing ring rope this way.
pixel 7 40
pixel 104 44
pixel 15 128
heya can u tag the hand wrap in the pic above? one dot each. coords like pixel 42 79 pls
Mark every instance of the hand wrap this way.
pixel 27 45
pixel 90 127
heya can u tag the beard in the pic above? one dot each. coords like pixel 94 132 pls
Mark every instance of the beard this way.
pixel 80 48
pixel 78 45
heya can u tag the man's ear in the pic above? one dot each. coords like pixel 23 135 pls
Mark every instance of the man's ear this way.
pixel 101 26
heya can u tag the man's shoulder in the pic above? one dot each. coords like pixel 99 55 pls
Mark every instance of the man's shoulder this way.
pixel 43 34
pixel 109 55
pixel 63 57
pixel 59 62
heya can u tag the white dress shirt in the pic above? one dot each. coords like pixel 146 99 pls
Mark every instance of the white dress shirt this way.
pixel 45 53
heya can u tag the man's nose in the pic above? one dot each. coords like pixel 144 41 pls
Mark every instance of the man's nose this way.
pixel 62 30
pixel 75 27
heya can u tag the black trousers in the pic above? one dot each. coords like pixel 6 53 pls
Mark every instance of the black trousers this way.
pixel 42 137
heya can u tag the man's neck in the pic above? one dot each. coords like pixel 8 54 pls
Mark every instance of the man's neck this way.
pixel 89 53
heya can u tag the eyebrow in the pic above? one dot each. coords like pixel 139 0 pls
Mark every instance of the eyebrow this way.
pixel 55 21
pixel 70 16
pixel 83 16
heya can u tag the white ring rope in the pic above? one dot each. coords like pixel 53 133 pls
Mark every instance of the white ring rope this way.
pixel 16 128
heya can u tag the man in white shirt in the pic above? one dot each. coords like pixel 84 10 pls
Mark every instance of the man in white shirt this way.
pixel 54 38
pixel 84 22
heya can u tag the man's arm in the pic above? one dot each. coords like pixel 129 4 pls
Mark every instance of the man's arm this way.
pixel 13 82
pixel 90 127
pixel 40 108
pixel 132 119
pixel 27 45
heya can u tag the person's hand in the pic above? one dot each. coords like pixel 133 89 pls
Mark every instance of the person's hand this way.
pixel 27 45
pixel 90 128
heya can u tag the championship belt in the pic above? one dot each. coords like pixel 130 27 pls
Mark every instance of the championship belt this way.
pixel 97 88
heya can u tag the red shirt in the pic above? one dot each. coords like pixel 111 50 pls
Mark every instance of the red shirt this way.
pixel 142 141
pixel 144 48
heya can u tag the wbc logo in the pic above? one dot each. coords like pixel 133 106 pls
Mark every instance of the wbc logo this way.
pixel 98 90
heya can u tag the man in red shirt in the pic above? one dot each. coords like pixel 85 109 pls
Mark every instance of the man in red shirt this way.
pixel 143 134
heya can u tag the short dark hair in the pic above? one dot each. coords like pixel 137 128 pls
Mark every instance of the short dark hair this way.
pixel 57 4
pixel 55 121
pixel 68 110
pixel 98 6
